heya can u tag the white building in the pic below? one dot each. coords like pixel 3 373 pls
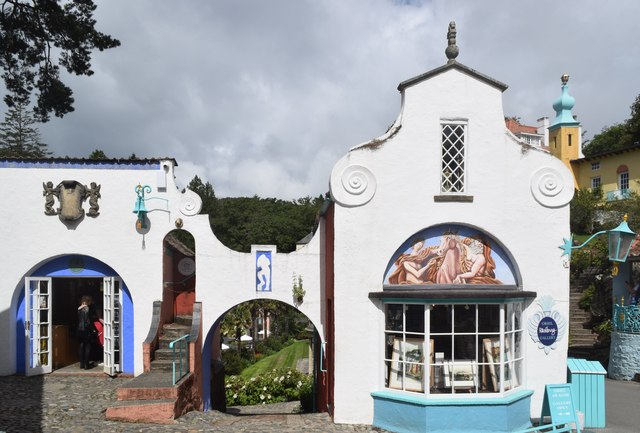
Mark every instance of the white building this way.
pixel 434 281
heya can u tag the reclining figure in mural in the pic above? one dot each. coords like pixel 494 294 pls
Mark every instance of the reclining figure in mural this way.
pixel 457 260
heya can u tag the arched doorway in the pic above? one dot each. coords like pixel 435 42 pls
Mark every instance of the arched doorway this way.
pixel 46 316
pixel 271 332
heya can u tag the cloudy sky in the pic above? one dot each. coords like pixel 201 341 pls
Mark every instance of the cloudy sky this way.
pixel 264 96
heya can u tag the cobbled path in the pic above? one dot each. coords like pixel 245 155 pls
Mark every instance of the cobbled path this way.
pixel 52 403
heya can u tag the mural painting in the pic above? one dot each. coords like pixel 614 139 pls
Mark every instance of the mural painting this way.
pixel 452 255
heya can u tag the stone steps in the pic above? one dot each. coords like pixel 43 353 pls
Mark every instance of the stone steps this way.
pixel 152 397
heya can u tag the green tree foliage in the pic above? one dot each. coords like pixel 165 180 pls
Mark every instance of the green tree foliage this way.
pixel 242 221
pixel 206 193
pixel 584 204
pixel 97 154
pixel 18 137
pixel 239 222
pixel 31 32
pixel 236 321
pixel 618 136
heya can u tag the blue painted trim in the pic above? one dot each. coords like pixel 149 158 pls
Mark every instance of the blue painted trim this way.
pixel 60 267
pixel 88 165
pixel 471 400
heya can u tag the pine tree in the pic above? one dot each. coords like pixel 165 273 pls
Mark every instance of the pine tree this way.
pixel 18 137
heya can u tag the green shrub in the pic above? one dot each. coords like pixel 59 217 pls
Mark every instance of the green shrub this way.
pixel 587 297
pixel 306 397
pixel 234 362
pixel 278 385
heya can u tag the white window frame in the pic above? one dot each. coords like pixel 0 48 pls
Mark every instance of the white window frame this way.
pixel 596 182
pixel 595 166
pixel 446 186
pixel 623 181
pixel 511 333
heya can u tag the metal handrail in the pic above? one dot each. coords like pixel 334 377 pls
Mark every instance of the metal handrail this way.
pixel 626 318
pixel 557 427
pixel 183 357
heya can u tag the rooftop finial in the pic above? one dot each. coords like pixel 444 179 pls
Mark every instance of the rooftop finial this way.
pixel 452 49
pixel 565 78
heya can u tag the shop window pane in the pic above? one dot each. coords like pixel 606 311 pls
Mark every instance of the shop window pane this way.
pixel 440 319
pixel 442 346
pixel 394 317
pixel 517 345
pixel 415 318
pixel 464 317
pixel 489 318
pixel 464 347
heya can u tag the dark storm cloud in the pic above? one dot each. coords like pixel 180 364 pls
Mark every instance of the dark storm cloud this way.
pixel 263 97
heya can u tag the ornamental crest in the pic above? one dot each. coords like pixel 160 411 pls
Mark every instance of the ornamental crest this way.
pixel 547 327
pixel 71 195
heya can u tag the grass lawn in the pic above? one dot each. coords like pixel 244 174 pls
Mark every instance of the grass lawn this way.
pixel 286 358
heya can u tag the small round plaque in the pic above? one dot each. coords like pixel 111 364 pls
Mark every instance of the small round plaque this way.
pixel 187 266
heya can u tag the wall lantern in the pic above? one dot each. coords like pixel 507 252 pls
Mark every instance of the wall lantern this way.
pixel 139 207
pixel 620 240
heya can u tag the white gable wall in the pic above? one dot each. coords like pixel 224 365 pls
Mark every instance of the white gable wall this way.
pixel 406 170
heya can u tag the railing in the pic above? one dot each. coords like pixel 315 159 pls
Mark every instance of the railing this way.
pixel 558 428
pixel 626 318
pixel 618 194
pixel 181 365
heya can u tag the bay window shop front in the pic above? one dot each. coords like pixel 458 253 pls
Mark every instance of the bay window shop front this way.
pixel 453 339
pixel 440 348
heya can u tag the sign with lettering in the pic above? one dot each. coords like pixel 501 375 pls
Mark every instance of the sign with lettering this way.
pixel 547 326
pixel 547 331
pixel 558 404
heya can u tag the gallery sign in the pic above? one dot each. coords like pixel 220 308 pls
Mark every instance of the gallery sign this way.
pixel 547 326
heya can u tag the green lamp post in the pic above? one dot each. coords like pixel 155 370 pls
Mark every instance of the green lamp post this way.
pixel 620 240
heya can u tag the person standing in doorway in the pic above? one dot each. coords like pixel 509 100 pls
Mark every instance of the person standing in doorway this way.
pixel 98 340
pixel 85 332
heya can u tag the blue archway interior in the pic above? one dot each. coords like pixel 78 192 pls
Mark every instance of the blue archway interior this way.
pixel 79 266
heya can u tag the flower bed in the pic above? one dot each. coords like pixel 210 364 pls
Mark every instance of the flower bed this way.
pixel 278 385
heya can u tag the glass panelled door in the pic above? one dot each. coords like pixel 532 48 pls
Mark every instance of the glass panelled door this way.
pixel 111 317
pixel 37 318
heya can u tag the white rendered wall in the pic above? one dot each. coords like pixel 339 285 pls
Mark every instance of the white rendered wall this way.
pixel 403 174
pixel 224 278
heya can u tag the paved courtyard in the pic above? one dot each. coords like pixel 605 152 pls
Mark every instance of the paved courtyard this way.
pixel 56 403
pixel 59 403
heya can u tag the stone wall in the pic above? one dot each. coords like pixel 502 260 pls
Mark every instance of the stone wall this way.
pixel 624 359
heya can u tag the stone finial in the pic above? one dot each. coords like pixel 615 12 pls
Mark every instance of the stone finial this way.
pixel 452 49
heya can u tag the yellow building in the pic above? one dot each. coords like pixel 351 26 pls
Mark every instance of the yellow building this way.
pixel 617 172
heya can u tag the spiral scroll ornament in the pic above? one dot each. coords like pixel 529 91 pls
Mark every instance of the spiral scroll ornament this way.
pixel 356 186
pixel 190 203
pixel 551 188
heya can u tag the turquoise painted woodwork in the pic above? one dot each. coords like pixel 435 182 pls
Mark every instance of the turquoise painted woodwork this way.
pixel 406 413
pixel 587 382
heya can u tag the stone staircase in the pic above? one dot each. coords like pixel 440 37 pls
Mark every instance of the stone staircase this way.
pixel 151 397
pixel 581 338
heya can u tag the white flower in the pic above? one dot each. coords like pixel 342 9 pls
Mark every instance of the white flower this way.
pixel 281 378
pixel 268 396
pixel 235 395
pixel 264 388
pixel 299 384
pixel 253 379
pixel 261 396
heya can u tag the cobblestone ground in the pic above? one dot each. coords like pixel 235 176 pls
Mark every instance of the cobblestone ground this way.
pixel 51 403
